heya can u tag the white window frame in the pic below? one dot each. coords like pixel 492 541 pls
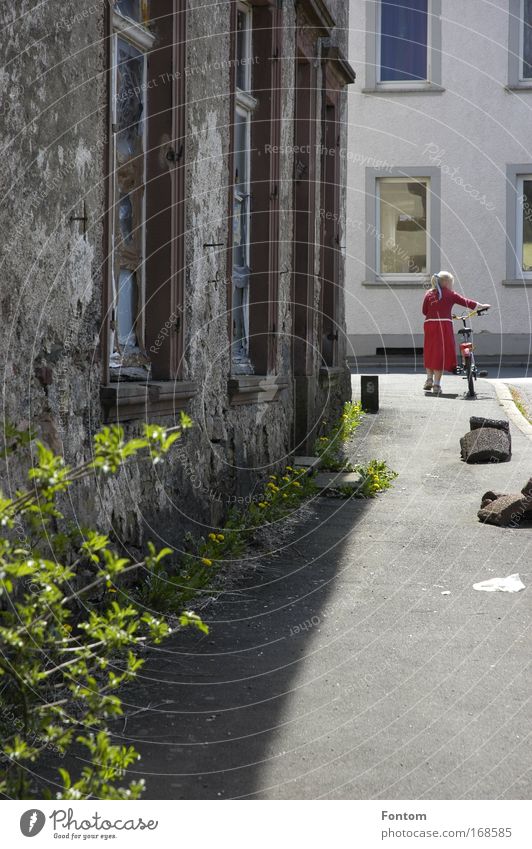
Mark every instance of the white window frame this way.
pixel 520 273
pixel 433 83
pixel 142 40
pixel 403 83
pixel 522 77
pixel 392 276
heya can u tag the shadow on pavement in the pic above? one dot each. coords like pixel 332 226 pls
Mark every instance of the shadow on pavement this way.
pixel 204 712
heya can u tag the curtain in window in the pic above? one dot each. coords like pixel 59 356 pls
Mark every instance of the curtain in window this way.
pixel 403 40
pixel 527 40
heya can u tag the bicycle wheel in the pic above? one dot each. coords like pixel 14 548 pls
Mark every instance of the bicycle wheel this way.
pixel 470 377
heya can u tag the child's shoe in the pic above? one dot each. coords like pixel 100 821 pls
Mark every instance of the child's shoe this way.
pixel 428 384
pixel 436 389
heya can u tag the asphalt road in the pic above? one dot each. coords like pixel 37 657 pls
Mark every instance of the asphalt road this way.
pixel 358 662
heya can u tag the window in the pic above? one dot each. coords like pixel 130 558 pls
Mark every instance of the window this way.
pixel 402 225
pixel 337 74
pixel 519 225
pixel 143 338
pixel 526 40
pixel 130 46
pixel 330 227
pixel 520 44
pixel 403 45
pixel 403 40
pixel 253 239
pixel 524 226
pixel 245 105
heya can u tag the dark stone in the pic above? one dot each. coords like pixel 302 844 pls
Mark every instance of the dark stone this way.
pixel 486 445
pixel 490 496
pixel 499 424
pixel 506 511
pixel 527 489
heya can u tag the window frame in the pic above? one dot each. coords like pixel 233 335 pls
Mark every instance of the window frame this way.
pixel 258 372
pixel 166 388
pixel 244 106
pixel 433 83
pixel 378 60
pixel 515 173
pixel 433 177
pixel 516 81
pixel 519 213
pixel 136 35
pixel 389 275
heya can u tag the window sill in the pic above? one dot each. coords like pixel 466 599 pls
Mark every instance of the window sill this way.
pixel 517 284
pixel 253 389
pixel 400 282
pixel 524 86
pixel 422 88
pixel 127 401
pixel 329 375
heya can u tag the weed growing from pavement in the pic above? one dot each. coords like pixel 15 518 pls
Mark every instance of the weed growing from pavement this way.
pixel 169 590
pixel 519 403
pixel 329 448
pixel 376 476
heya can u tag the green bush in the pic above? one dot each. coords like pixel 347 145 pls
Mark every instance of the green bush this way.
pixel 67 640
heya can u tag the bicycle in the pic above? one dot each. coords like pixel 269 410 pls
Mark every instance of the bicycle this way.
pixel 469 368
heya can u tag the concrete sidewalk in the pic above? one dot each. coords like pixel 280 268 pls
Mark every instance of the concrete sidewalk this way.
pixel 339 669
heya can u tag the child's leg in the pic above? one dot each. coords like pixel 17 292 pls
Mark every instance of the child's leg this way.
pixel 437 381
pixel 430 379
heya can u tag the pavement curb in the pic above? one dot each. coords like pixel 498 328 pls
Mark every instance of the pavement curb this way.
pixel 506 401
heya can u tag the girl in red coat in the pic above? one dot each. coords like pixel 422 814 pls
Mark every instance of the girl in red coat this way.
pixel 440 346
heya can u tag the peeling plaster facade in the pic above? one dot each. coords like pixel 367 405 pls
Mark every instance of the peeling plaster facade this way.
pixel 54 134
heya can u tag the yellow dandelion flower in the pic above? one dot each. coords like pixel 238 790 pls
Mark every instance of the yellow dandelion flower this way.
pixel 262 504
pixel 206 561
pixel 220 537
pixel 212 536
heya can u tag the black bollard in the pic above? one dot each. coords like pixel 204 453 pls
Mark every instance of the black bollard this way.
pixel 369 393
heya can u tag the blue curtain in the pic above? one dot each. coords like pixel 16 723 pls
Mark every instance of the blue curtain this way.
pixel 527 42
pixel 403 40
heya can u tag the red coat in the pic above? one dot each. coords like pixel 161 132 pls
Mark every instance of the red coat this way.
pixel 440 346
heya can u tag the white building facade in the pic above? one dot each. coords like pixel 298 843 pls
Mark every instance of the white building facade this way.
pixel 439 168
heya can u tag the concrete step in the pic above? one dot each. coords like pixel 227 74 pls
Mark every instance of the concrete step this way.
pixel 334 480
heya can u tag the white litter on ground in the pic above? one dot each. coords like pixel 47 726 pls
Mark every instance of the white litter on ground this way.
pixel 511 584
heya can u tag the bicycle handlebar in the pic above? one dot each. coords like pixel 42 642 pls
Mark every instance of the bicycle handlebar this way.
pixel 473 312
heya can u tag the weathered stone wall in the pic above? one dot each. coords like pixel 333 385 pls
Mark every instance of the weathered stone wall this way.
pixel 53 125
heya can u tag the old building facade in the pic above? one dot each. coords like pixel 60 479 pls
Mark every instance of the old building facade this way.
pixel 172 237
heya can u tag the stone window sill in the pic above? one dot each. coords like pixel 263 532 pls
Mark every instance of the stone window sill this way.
pixel 517 284
pixel 128 400
pixel 253 389
pixel 422 88
pixel 519 86
pixel 401 282
pixel 329 375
